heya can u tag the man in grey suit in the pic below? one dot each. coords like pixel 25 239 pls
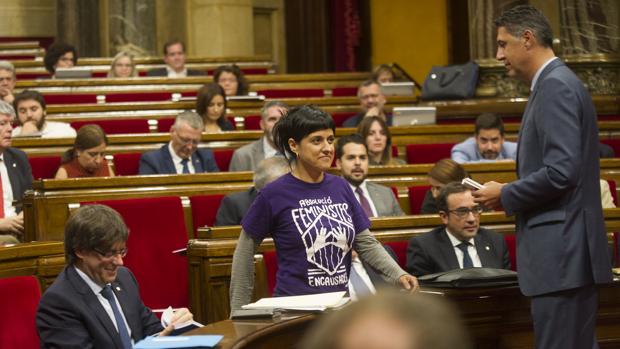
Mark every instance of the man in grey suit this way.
pixel 235 205
pixel 181 155
pixel 15 166
pixel 174 57
pixel 352 160
pixel 460 242
pixel 561 241
pixel 246 158
pixel 488 143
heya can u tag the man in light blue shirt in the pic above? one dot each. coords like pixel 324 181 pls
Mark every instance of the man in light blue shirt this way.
pixel 488 143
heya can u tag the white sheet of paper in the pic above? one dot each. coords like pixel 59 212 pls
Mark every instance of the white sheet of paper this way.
pixel 313 302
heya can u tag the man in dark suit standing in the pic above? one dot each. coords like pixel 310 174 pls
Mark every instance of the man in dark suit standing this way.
pixel 94 302
pixel 181 155
pixel 15 177
pixel 561 241
pixel 235 205
pixel 174 57
pixel 460 243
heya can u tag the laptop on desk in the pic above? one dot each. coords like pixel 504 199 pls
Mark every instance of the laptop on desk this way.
pixel 408 116
pixel 398 88
pixel 73 73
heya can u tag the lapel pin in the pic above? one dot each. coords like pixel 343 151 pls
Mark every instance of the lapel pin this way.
pixel 14 165
pixel 118 288
pixel 487 248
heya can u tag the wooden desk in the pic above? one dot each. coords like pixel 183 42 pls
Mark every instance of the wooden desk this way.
pixel 496 318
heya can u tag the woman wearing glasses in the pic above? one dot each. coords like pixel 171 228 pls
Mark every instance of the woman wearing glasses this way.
pixel 460 242
pixel 312 216
pixel 87 156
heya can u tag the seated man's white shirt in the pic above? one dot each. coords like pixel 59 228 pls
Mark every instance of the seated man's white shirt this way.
pixel 7 190
pixel 268 150
pixel 473 253
pixel 177 161
pixel 174 74
pixel 361 271
pixel 104 302
pixel 367 195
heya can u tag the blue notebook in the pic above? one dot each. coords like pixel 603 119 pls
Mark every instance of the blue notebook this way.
pixel 179 342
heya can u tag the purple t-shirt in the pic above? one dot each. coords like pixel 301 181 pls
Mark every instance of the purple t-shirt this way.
pixel 313 226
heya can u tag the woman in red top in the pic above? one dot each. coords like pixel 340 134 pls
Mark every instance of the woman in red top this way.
pixel 86 158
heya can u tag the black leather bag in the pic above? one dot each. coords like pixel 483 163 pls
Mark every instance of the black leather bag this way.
pixel 451 82
pixel 471 277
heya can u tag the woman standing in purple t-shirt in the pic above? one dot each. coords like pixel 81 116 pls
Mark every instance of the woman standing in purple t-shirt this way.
pixel 312 216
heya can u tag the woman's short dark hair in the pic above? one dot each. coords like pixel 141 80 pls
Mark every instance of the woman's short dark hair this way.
pixel 27 95
pixel 204 97
pixel 54 52
pixel 93 227
pixel 243 85
pixel 88 136
pixel 364 129
pixel 297 123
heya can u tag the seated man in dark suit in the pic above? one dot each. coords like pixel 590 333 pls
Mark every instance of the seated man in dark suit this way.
pixel 174 57
pixel 181 155
pixel 235 205
pixel 460 243
pixel 95 301
pixel 372 101
pixel 352 160
pixel 16 178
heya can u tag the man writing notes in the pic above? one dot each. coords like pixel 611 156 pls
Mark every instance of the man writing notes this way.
pixel 561 242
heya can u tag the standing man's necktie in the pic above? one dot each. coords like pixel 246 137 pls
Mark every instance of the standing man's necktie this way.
pixel 185 166
pixel 467 263
pixel 359 286
pixel 120 323
pixel 364 202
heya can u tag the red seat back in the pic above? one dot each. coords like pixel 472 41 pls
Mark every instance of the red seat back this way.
pixel 511 244
pixel 344 92
pixel 614 144
pixel 222 158
pixel 117 126
pixel 293 93
pixel 19 299
pixel 127 164
pixel 400 249
pixel 164 125
pixel 252 122
pixel 271 264
pixel 428 153
pixel 156 228
pixel 416 197
pixel 340 117
pixel 44 167
pixel 204 210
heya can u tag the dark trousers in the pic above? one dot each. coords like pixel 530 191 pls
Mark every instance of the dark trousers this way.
pixel 566 319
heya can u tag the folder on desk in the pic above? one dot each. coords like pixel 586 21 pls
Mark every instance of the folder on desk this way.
pixel 312 302
pixel 208 341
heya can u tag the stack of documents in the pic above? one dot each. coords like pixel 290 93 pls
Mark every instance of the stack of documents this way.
pixel 313 302
pixel 179 342
pixel 166 318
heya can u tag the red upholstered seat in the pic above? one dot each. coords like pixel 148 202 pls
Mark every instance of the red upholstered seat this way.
pixel 252 122
pixel 19 299
pixel 614 143
pixel 511 243
pixel 428 153
pixel 293 93
pixel 117 126
pixel 271 264
pixel 137 97
pixel 71 98
pixel 339 118
pixel 222 158
pixel 127 164
pixel 156 228
pixel 204 210
pixel 164 125
pixel 44 167
pixel 344 92
pixel 416 197
pixel 400 249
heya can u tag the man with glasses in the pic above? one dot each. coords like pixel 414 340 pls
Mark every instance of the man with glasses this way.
pixel 460 243
pixel 95 301
pixel 372 101
pixel 181 155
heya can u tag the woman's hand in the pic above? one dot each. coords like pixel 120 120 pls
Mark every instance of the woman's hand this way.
pixel 409 282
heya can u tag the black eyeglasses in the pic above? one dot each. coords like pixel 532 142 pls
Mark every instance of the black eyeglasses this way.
pixel 462 212
pixel 113 253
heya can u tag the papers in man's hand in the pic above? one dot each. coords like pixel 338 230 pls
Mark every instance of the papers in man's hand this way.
pixel 470 183
pixel 179 342
pixel 166 318
pixel 313 302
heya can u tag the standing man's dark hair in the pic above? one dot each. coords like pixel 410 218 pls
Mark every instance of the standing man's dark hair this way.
pixel 525 17
pixel 55 52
